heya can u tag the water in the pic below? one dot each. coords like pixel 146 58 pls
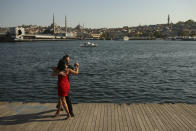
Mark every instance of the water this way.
pixel 115 71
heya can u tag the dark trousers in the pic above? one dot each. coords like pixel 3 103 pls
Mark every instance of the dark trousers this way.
pixel 69 104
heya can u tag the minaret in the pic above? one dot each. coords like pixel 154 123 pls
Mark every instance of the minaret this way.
pixel 168 20
pixel 65 26
pixel 53 25
pixel 171 25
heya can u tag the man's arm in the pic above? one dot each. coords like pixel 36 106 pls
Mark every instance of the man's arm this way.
pixel 71 67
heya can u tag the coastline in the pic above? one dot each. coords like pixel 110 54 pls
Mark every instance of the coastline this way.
pixel 38 40
pixel 99 116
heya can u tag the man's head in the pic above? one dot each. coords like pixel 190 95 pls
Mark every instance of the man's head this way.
pixel 67 59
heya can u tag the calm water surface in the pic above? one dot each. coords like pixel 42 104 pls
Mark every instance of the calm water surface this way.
pixel 115 71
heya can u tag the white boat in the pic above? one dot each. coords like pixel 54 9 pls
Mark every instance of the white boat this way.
pixel 88 44
pixel 125 38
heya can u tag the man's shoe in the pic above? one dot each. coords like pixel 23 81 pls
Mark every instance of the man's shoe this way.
pixel 72 114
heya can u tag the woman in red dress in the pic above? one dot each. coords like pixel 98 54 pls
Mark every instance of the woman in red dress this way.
pixel 63 84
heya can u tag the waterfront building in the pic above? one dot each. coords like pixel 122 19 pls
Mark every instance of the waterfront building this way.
pixel 71 34
pixel 79 28
pixel 17 33
pixel 95 35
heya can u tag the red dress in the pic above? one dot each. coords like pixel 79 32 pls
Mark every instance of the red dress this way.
pixel 63 85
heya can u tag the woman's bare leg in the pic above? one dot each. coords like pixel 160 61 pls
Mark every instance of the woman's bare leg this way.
pixel 65 106
pixel 59 107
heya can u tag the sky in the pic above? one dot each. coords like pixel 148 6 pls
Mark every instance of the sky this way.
pixel 95 13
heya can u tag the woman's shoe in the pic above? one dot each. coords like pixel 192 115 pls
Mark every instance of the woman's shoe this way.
pixel 57 115
pixel 68 116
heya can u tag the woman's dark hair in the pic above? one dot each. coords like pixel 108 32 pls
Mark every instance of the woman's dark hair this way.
pixel 61 64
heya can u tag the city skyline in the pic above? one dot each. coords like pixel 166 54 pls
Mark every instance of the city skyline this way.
pixel 95 14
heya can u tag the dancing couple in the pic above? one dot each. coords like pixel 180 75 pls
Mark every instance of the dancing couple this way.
pixel 63 70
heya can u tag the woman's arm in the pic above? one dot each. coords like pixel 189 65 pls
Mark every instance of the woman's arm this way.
pixel 75 72
pixel 54 69
pixel 63 73
pixel 56 72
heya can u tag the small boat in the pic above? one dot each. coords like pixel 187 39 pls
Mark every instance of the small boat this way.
pixel 88 44
pixel 125 38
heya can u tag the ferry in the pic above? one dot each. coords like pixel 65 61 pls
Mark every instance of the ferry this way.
pixel 88 44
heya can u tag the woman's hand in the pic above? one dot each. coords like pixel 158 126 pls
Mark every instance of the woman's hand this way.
pixel 54 69
pixel 54 74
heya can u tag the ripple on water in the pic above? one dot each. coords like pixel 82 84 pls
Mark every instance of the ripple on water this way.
pixel 131 72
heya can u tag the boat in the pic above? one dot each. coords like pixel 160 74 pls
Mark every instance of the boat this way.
pixel 88 44
pixel 125 38
pixel 189 38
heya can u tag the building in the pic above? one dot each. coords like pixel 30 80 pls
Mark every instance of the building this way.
pixel 95 35
pixel 17 33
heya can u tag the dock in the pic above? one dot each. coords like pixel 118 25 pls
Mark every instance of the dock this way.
pixel 19 116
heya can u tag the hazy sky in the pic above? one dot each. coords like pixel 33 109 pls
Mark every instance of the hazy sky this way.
pixel 95 13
